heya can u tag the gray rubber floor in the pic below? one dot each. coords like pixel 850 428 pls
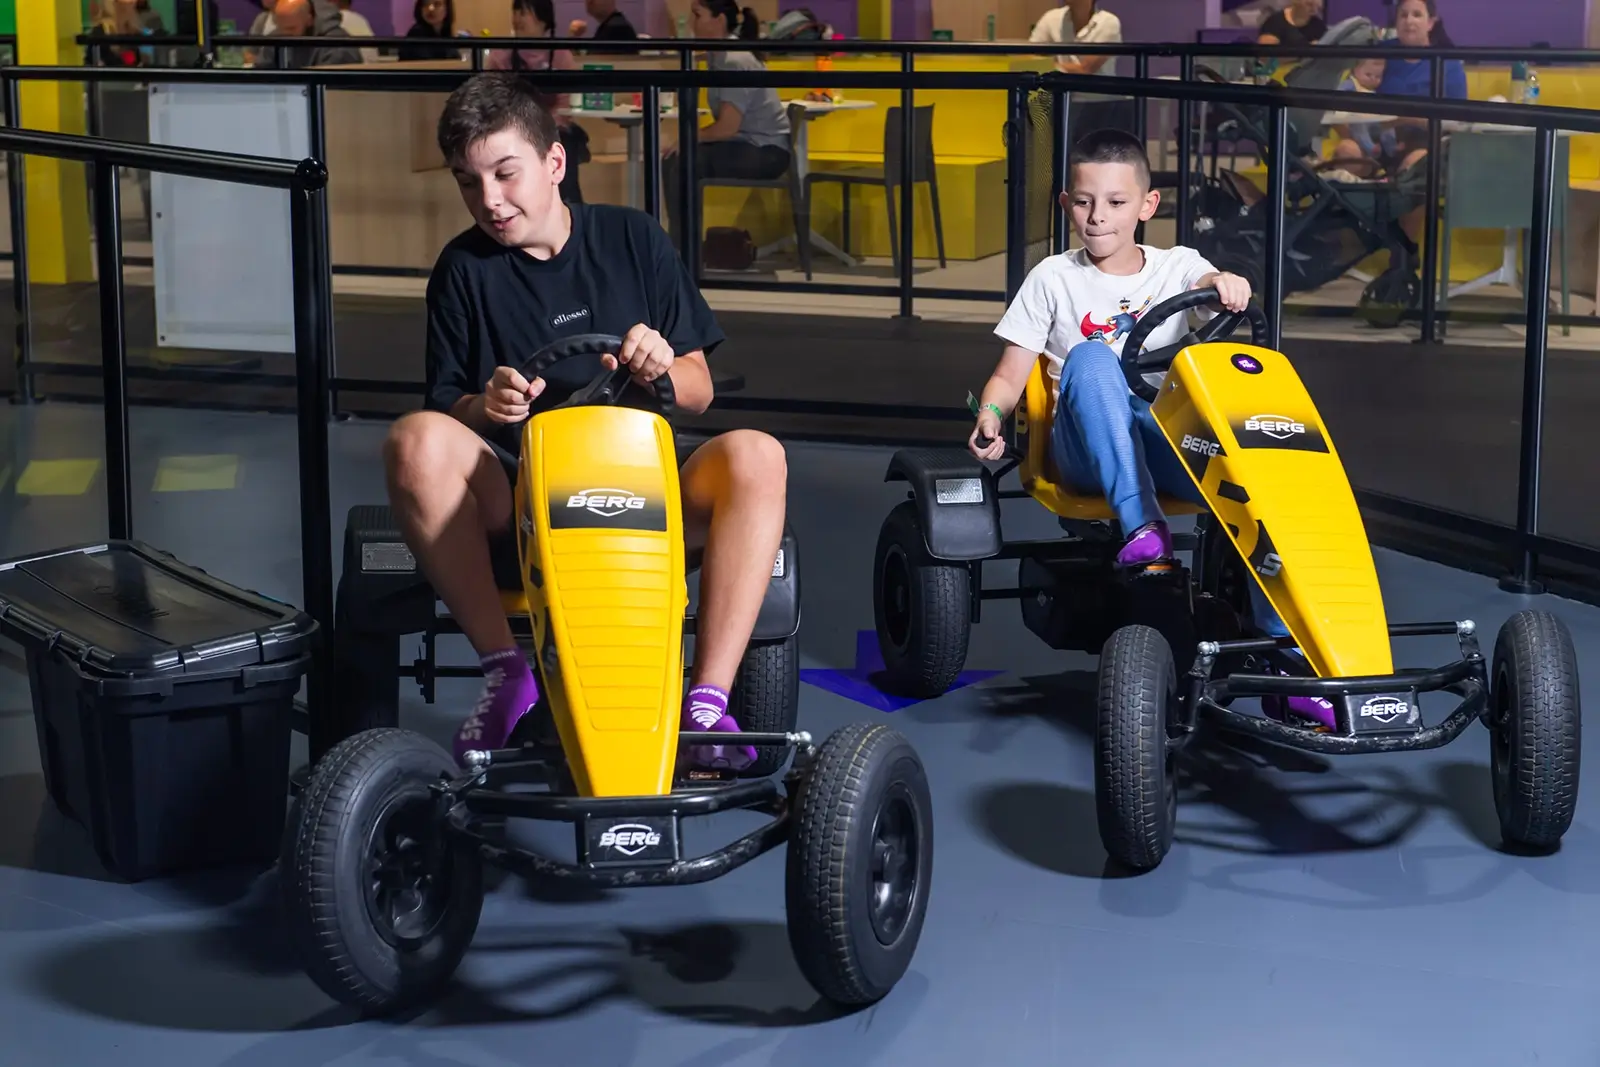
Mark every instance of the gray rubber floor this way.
pixel 1313 912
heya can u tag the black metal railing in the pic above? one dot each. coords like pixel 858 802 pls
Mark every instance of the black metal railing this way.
pixel 305 182
pixel 1523 543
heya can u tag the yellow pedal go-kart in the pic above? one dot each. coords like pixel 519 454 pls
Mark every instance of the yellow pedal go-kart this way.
pixel 1280 512
pixel 383 865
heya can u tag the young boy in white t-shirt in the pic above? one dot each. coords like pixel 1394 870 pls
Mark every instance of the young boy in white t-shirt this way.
pixel 1076 309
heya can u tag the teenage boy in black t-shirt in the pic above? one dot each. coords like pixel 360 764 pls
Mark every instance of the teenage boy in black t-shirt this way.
pixel 533 269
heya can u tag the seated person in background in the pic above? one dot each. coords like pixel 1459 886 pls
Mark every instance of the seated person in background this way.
pixel 1365 140
pixel 530 270
pixel 261 26
pixel 610 24
pixel 308 18
pixel 749 134
pixel 1076 309
pixel 1297 25
pixel 125 18
pixel 1085 22
pixel 433 22
pixel 1417 25
pixel 356 25
pixel 536 18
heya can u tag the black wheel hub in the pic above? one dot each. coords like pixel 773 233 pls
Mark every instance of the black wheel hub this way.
pixel 405 872
pixel 896 860
pixel 895 590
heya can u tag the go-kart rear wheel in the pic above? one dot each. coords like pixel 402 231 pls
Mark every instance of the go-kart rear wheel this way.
pixel 766 698
pixel 1135 767
pixel 1534 729
pixel 922 607
pixel 860 863
pixel 382 902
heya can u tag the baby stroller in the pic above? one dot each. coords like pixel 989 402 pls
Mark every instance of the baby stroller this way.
pixel 1336 213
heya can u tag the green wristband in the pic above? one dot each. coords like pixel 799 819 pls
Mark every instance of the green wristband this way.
pixel 972 406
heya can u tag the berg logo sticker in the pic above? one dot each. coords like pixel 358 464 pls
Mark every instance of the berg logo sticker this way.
pixel 1385 709
pixel 1246 362
pixel 630 838
pixel 1277 427
pixel 607 503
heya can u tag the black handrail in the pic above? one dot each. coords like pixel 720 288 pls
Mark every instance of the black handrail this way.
pixel 855 46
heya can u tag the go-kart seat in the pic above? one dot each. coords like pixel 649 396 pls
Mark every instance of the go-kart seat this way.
pixel 1037 470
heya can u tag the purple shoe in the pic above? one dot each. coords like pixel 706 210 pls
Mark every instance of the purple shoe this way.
pixel 706 708
pixel 1151 543
pixel 1313 708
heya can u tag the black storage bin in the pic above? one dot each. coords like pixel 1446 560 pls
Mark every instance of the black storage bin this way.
pixel 164 701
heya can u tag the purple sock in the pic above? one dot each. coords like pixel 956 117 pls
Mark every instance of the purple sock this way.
pixel 509 690
pixel 706 708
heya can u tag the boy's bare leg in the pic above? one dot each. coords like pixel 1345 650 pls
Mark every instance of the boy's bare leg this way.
pixel 735 492
pixel 449 492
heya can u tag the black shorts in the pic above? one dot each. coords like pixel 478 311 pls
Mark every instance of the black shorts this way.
pixel 503 545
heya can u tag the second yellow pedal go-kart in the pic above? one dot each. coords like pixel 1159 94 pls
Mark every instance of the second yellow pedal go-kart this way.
pixel 1278 511
pixel 382 869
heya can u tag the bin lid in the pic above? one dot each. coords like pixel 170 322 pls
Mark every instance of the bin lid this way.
pixel 125 608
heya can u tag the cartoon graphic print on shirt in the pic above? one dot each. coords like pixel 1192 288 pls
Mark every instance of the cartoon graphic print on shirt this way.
pixel 1121 323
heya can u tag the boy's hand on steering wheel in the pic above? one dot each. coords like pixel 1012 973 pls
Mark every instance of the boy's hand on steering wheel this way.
pixel 644 352
pixel 1233 292
pixel 508 395
pixel 988 428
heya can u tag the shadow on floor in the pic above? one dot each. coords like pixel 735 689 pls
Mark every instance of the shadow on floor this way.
pixel 240 976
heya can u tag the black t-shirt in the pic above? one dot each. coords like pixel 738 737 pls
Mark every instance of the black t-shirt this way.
pixel 490 305
pixel 1278 25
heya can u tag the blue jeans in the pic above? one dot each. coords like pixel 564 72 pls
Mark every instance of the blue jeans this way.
pixel 1106 441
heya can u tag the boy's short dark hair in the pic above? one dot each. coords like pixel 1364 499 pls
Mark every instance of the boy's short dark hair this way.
pixel 1112 146
pixel 486 104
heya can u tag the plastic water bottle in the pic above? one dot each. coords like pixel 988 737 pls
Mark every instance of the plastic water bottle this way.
pixel 1519 81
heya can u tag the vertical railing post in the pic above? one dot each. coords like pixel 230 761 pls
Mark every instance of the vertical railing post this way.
pixel 689 183
pixel 317 130
pixel 1277 194
pixel 1431 268
pixel 1017 144
pixel 1060 153
pixel 908 187
pixel 1185 205
pixel 113 348
pixel 1529 462
pixel 17 194
pixel 651 131
pixel 311 387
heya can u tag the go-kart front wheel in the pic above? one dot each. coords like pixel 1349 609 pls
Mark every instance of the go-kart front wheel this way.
pixel 1534 729
pixel 922 607
pixel 1135 766
pixel 860 861
pixel 381 903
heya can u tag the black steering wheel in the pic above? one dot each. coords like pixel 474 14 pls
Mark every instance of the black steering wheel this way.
pixel 608 386
pixel 1136 362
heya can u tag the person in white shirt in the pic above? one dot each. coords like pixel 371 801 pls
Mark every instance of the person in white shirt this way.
pixel 356 25
pixel 1085 22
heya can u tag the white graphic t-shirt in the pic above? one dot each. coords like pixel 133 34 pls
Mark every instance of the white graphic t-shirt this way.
pixel 1067 300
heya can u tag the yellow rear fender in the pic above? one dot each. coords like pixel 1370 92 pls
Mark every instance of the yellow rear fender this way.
pixel 600 535
pixel 1258 450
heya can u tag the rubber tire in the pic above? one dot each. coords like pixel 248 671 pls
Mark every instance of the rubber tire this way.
pixel 935 648
pixel 1135 780
pixel 1534 759
pixel 828 886
pixel 324 899
pixel 766 698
